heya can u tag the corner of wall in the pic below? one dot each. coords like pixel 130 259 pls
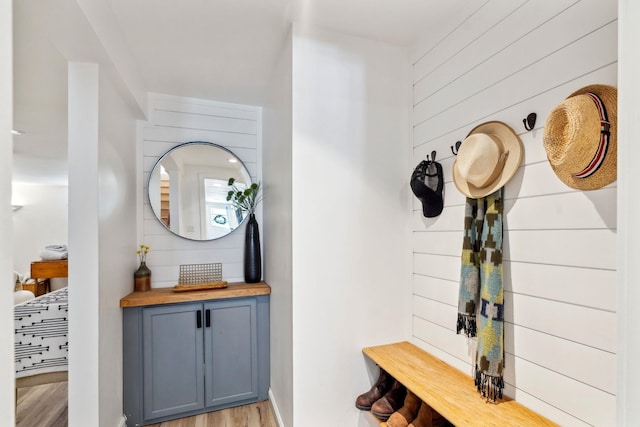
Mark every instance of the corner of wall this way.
pixel 276 411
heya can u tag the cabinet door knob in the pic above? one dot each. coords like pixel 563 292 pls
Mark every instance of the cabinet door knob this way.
pixel 199 319
pixel 208 318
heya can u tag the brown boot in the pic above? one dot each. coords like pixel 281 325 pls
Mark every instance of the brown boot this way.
pixel 390 402
pixel 409 411
pixel 427 417
pixel 382 385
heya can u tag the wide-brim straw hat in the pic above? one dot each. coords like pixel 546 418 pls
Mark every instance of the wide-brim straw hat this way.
pixel 487 159
pixel 580 138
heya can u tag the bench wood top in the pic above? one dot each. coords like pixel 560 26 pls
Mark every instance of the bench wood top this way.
pixel 447 390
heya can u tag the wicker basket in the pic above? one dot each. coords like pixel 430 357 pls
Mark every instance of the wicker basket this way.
pixel 38 288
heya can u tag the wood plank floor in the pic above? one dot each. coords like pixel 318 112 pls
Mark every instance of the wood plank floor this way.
pixel 46 406
pixel 256 415
pixel 42 406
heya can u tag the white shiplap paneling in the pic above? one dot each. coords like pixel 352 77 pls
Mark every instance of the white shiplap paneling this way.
pixel 507 60
pixel 585 403
pixel 451 348
pixel 472 28
pixel 175 121
pixel 578 361
pixel 445 291
pixel 589 287
pixel 590 52
pixel 468 62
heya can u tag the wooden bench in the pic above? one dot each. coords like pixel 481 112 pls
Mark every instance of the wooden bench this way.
pixel 447 390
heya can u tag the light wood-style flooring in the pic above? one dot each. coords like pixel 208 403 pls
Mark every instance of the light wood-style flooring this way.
pixel 255 415
pixel 46 406
pixel 42 406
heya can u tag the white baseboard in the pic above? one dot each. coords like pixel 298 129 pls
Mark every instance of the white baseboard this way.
pixel 123 422
pixel 276 411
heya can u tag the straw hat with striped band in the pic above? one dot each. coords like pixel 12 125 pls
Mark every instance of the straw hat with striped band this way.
pixel 580 138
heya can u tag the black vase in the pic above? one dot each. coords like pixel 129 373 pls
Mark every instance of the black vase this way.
pixel 252 258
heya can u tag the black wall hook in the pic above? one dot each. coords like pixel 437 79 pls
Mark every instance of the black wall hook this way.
pixel 455 148
pixel 530 121
pixel 433 157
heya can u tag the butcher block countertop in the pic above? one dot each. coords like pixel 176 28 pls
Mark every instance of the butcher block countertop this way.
pixel 168 296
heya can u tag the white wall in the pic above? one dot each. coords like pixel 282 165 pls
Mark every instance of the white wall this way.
pixel 173 121
pixel 7 368
pixel 84 338
pixel 628 390
pixel 117 239
pixel 505 61
pixel 102 206
pixel 350 218
pixel 278 254
pixel 42 220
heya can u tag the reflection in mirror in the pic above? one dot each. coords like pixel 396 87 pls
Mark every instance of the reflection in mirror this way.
pixel 188 190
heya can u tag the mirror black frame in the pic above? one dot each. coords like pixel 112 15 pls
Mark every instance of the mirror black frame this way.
pixel 242 168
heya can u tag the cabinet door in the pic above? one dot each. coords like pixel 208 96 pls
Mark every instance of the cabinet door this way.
pixel 231 351
pixel 173 360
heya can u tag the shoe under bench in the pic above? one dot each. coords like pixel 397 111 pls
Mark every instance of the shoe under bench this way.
pixel 447 390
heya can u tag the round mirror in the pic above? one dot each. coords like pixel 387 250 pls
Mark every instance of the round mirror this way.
pixel 188 189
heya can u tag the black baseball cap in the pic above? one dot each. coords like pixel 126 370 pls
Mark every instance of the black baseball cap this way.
pixel 427 184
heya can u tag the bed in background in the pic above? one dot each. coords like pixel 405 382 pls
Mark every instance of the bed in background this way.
pixel 41 331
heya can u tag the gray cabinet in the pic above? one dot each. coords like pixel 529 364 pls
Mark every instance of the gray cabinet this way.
pixel 181 359
pixel 173 358
pixel 230 373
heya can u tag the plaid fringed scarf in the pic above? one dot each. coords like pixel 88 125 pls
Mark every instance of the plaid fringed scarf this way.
pixel 480 302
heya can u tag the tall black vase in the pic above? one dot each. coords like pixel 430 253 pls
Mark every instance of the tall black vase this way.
pixel 252 258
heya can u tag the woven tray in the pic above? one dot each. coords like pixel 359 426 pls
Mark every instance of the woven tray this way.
pixel 38 288
pixel 200 286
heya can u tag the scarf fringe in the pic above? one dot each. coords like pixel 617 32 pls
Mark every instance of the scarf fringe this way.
pixel 489 386
pixel 466 324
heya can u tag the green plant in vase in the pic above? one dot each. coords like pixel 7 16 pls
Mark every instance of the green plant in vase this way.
pixel 246 200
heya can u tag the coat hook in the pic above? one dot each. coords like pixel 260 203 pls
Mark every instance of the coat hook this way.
pixel 530 121
pixel 457 148
pixel 432 158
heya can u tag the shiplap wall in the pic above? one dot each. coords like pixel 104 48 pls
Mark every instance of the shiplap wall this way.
pixel 174 121
pixel 504 61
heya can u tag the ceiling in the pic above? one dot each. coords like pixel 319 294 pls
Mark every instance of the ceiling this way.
pixel 213 49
